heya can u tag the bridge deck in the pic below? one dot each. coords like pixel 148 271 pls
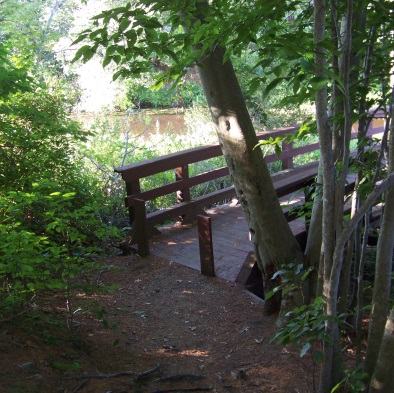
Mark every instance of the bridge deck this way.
pixel 231 245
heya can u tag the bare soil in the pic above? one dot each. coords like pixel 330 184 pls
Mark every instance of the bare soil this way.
pixel 170 329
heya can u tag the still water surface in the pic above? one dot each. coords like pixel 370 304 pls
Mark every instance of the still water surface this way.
pixel 140 121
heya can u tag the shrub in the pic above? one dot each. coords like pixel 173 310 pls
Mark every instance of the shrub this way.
pixel 45 241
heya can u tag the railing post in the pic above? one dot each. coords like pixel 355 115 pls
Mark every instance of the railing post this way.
pixel 140 227
pixel 206 246
pixel 287 163
pixel 132 187
pixel 181 173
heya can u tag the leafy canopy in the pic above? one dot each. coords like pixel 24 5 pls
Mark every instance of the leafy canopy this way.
pixel 134 37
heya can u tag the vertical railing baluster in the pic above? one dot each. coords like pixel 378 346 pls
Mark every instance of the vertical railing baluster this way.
pixel 206 245
pixel 287 163
pixel 182 173
pixel 132 187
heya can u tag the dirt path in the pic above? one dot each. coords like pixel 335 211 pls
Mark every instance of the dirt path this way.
pixel 206 335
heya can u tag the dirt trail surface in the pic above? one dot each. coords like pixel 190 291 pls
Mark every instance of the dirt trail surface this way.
pixel 174 329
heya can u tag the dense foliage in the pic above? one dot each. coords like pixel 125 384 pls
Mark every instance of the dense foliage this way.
pixel 50 223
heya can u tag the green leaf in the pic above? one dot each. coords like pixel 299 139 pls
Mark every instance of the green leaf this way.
pixel 131 36
pixel 276 274
pixel 69 195
pixel 277 71
pixel 318 357
pixel 117 59
pixel 269 294
pixel 116 75
pixel 330 47
pixel 278 150
pixel 306 66
pixel 272 85
pixel 318 82
pixel 305 349
pixel 124 25
pixel 106 61
pixel 81 52
pixel 110 50
pixel 358 385
pixel 73 237
pixel 79 39
pixel 30 285
pixel 254 84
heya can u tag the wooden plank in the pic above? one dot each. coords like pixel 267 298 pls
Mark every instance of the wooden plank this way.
pixel 194 205
pixel 177 185
pixel 152 166
pixel 294 179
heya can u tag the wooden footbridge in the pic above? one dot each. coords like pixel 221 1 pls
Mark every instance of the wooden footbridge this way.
pixel 223 238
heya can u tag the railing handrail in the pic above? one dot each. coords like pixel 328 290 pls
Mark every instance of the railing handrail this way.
pixel 292 180
pixel 170 161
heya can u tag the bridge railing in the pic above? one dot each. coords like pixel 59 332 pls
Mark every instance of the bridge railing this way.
pixel 287 181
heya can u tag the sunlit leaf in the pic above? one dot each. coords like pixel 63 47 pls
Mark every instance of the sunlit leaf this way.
pixel 305 349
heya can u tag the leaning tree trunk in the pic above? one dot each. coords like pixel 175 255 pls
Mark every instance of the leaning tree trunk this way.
pixel 273 241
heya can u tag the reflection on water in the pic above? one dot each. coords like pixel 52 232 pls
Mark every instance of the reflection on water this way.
pixel 141 121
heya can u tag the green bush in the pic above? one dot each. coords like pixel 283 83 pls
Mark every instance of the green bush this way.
pixel 51 226
pixel 38 140
pixel 45 241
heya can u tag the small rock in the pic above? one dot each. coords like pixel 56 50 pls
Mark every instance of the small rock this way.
pixel 26 366
pixel 37 377
pixel 239 374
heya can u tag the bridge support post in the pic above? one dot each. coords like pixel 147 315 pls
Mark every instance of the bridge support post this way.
pixel 132 187
pixel 140 227
pixel 206 246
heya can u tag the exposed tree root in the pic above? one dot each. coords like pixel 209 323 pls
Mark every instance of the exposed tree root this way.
pixel 183 390
pixel 137 376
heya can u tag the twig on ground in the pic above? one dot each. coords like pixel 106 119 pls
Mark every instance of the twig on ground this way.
pixel 13 316
pixel 99 275
pixel 117 375
pixel 179 377
pixel 183 390
pixel 81 385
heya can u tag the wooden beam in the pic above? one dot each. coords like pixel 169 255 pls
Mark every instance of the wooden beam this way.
pixel 206 245
pixel 140 228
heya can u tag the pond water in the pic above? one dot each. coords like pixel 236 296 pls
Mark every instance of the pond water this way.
pixel 141 122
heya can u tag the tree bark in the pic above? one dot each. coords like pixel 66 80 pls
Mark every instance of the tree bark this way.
pixel 383 377
pixel 313 247
pixel 327 161
pixel 273 241
pixel 382 283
